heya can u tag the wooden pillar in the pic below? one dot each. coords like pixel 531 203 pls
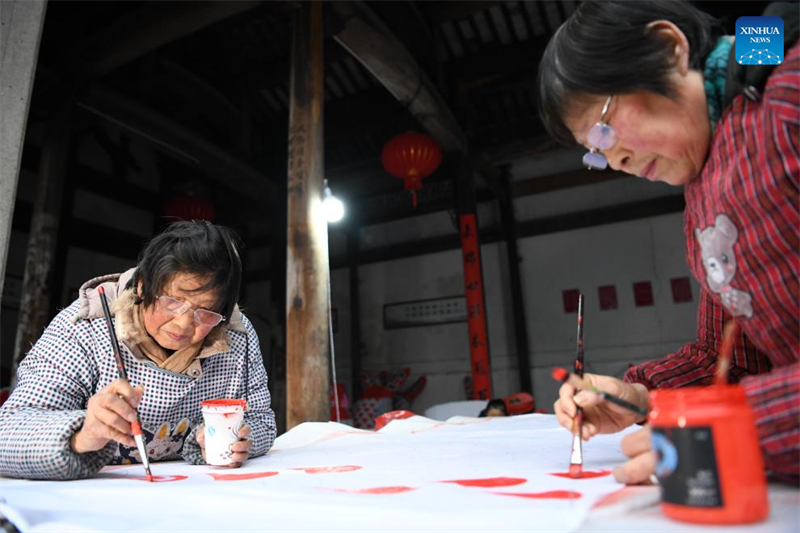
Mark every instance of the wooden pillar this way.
pixel 21 23
pixel 307 273
pixel 509 222
pixel 35 308
pixel 353 237
pixel 473 279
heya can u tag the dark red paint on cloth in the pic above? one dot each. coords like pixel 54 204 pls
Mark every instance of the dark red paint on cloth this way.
pixel 329 469
pixel 549 495
pixel 385 418
pixel 377 490
pixel 242 477
pixel 488 482
pixel 586 474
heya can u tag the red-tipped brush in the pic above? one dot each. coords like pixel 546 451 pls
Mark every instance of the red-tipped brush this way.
pixel 136 426
pixel 576 455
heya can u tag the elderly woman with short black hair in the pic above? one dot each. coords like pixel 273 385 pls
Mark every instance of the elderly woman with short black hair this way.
pixel 183 340
pixel 650 89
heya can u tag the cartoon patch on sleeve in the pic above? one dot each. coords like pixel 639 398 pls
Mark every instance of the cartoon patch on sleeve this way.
pixel 163 444
pixel 716 245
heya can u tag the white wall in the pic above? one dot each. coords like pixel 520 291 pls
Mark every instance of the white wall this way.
pixel 615 254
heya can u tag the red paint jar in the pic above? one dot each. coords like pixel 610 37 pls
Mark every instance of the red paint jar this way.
pixel 709 461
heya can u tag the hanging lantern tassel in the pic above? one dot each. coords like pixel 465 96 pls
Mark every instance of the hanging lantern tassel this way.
pixel 411 156
pixel 413 183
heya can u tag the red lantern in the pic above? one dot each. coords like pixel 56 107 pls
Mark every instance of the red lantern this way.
pixel 411 156
pixel 190 207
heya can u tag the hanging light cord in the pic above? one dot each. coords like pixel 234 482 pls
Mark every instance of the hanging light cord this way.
pixel 333 350
pixel 330 320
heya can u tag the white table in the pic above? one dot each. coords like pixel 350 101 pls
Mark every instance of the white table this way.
pixel 414 475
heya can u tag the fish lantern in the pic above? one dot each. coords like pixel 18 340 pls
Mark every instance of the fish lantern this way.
pixel 411 156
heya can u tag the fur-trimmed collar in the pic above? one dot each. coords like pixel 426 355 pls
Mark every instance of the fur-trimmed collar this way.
pixel 121 302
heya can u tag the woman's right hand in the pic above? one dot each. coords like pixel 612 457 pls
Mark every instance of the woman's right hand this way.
pixel 600 416
pixel 109 414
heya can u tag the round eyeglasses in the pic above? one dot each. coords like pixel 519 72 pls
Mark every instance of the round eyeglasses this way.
pixel 174 307
pixel 601 137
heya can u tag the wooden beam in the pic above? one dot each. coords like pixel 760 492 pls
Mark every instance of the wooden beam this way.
pixel 391 203
pixel 150 27
pixel 565 180
pixel 372 43
pixel 201 98
pixel 35 306
pixel 22 23
pixel 275 72
pixel 307 274
pixel 173 139
pixel 529 228
pixel 506 143
pixel 91 179
pixel 509 223
pixel 88 235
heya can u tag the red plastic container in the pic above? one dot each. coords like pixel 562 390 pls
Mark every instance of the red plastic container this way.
pixel 709 461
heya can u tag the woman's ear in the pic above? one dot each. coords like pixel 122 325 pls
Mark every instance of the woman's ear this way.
pixel 139 298
pixel 672 36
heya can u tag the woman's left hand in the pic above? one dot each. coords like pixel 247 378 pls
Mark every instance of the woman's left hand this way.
pixel 642 466
pixel 240 448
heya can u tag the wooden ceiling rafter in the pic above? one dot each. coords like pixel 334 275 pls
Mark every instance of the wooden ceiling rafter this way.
pixel 178 141
pixel 374 45
pixel 144 30
pixel 526 20
pixel 440 12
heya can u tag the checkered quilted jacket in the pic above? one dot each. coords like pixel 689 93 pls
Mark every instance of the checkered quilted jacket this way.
pixel 73 360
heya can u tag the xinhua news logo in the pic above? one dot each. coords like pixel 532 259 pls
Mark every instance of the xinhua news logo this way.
pixel 759 40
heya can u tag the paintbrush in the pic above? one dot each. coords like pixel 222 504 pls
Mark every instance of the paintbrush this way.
pixel 136 426
pixel 729 335
pixel 560 374
pixel 576 455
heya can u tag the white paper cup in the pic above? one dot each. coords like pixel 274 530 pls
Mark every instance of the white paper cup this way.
pixel 222 419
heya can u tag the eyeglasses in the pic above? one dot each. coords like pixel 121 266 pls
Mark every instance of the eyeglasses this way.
pixel 601 137
pixel 174 307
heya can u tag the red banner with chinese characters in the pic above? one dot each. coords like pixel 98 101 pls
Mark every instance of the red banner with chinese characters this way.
pixel 476 309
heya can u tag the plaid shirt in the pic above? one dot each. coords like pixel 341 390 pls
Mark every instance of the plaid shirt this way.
pixel 751 177
pixel 73 361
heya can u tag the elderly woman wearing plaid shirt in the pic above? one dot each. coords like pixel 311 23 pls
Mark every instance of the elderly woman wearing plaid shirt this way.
pixel 183 340
pixel 649 90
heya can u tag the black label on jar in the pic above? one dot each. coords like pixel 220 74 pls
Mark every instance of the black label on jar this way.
pixel 687 466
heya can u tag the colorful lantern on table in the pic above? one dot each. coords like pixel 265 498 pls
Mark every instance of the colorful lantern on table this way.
pixel 190 207
pixel 411 156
